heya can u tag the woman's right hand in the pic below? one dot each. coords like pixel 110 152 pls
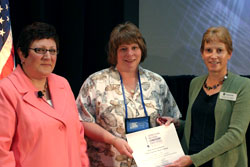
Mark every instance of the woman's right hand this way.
pixel 164 120
pixel 122 146
pixel 167 121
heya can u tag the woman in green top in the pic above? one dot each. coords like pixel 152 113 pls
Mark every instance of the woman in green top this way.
pixel 219 109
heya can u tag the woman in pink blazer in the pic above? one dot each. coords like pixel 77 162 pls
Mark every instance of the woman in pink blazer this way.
pixel 39 125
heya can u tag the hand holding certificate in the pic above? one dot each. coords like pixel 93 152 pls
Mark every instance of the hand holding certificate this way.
pixel 155 147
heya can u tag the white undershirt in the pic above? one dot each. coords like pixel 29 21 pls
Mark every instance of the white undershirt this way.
pixel 49 102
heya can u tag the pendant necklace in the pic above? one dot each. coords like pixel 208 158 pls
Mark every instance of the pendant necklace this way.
pixel 45 88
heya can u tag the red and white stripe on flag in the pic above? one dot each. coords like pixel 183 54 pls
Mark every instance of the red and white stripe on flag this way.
pixel 6 41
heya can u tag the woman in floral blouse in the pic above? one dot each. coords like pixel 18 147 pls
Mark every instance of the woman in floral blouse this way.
pixel 111 99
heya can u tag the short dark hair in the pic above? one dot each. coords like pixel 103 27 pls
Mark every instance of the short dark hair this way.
pixel 126 33
pixel 36 31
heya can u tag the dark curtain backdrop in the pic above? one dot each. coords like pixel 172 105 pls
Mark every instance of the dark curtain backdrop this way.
pixel 83 26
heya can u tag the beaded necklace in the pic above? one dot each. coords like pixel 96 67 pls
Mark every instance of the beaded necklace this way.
pixel 214 86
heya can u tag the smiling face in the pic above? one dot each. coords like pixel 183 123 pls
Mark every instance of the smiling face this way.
pixel 124 34
pixel 128 57
pixel 216 56
pixel 39 66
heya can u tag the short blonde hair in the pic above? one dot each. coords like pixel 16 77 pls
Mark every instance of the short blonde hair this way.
pixel 217 34
pixel 126 33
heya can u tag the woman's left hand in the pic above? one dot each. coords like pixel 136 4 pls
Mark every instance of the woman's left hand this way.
pixel 181 162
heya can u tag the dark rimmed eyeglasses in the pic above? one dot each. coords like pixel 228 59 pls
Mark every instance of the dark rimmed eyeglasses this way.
pixel 44 51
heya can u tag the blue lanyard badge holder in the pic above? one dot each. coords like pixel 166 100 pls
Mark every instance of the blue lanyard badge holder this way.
pixel 139 123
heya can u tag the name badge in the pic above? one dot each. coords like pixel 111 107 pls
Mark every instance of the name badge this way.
pixel 137 124
pixel 228 96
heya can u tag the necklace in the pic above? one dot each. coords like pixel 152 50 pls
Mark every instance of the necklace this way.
pixel 214 86
pixel 45 88
pixel 130 90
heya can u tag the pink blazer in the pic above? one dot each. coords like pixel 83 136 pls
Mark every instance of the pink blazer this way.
pixel 34 134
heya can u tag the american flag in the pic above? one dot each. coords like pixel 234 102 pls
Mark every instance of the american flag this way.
pixel 6 41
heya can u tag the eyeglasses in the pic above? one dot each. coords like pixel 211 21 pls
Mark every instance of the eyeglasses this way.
pixel 44 51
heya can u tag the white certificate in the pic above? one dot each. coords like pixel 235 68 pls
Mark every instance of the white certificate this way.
pixel 155 147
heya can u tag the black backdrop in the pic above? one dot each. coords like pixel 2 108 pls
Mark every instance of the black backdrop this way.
pixel 83 26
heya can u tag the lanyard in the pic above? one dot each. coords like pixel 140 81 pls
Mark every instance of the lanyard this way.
pixel 124 97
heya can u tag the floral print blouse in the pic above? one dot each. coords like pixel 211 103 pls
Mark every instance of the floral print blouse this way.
pixel 101 101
